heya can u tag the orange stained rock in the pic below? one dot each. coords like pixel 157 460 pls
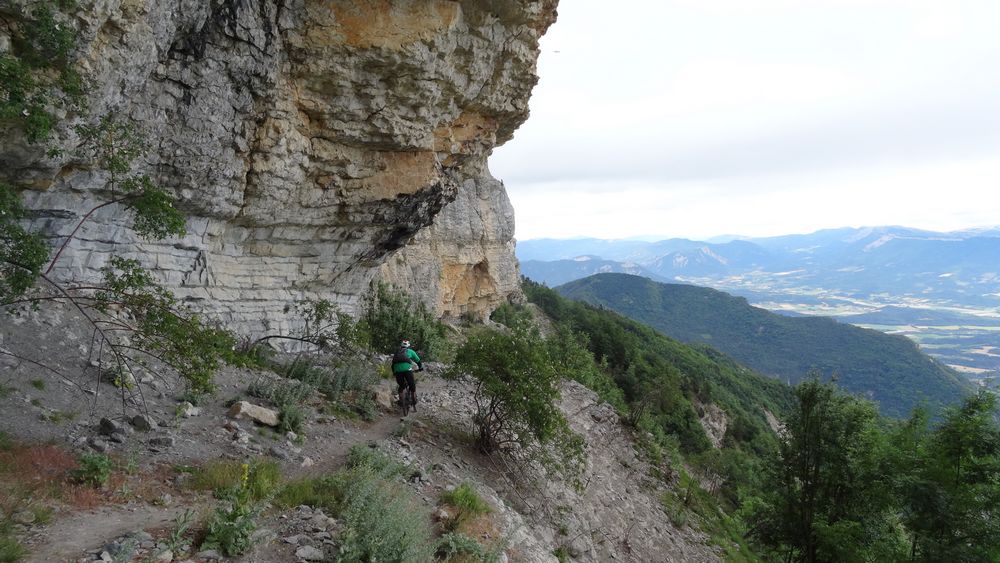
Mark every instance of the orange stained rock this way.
pixel 464 135
pixel 395 173
pixel 388 24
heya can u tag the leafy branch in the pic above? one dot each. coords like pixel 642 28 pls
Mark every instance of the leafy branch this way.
pixel 38 72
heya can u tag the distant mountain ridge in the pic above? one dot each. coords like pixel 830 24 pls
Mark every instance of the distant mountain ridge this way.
pixel 558 272
pixel 869 260
pixel 889 369
pixel 895 279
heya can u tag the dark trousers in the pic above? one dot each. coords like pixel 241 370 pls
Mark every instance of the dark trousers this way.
pixel 405 379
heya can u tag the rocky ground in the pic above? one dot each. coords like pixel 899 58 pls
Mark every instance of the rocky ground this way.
pixel 617 516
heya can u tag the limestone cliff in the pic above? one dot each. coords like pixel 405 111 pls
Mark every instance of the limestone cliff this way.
pixel 312 142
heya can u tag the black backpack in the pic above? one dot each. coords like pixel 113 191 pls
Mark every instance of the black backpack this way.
pixel 401 356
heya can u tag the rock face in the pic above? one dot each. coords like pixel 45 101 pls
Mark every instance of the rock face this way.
pixel 313 143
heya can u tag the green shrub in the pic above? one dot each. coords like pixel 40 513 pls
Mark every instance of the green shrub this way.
pixel 570 351
pixel 290 418
pixel 59 417
pixel 512 316
pixel 318 492
pixel 195 396
pixel 380 517
pixel 382 520
pixel 347 331
pixel 10 550
pixel 280 392
pixel 674 508
pixel 22 253
pixel 43 514
pixel 334 381
pixel 226 477
pixel 377 461
pixel 463 548
pixel 250 354
pixel 467 501
pixel 95 469
pixel 37 74
pixel 347 377
pixel 516 389
pixel 391 315
pixel 231 527
pixel 38 384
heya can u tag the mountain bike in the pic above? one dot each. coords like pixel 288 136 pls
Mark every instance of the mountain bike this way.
pixel 406 399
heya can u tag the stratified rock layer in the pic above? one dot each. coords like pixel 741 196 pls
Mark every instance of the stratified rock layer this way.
pixel 311 142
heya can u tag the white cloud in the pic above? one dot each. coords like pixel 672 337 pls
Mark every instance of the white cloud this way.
pixel 734 100
pixel 772 205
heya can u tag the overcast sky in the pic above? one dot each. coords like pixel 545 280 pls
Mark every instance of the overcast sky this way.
pixel 696 118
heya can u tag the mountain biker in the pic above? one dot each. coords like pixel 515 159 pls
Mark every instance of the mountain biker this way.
pixel 402 367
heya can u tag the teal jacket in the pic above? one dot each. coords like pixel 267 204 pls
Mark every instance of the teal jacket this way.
pixel 406 366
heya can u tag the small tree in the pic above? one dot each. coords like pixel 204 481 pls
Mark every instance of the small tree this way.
pixel 950 483
pixel 828 499
pixel 516 388
pixel 391 315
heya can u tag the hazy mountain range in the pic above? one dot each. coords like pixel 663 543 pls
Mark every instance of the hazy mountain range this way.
pixel 942 289
pixel 962 265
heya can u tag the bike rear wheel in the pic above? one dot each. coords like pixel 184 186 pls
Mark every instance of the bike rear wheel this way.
pixel 405 399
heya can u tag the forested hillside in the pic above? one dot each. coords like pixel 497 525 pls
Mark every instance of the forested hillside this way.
pixel 672 379
pixel 840 483
pixel 889 369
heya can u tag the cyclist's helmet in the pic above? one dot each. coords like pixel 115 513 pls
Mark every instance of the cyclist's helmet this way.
pixel 405 344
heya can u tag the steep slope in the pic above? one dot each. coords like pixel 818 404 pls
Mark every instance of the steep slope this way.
pixel 309 142
pixel 889 369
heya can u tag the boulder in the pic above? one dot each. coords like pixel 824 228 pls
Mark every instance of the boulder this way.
pixel 98 445
pixel 162 442
pixel 109 427
pixel 279 453
pixel 383 394
pixel 187 410
pixel 142 423
pixel 255 413
pixel 24 517
pixel 309 553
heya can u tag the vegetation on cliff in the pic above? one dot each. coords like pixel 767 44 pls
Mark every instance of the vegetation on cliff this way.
pixel 836 482
pixel 665 383
pixel 847 486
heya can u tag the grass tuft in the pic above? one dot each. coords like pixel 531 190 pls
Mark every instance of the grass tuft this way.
pixel 466 500
pixel 318 492
pixel 223 477
pixel 10 550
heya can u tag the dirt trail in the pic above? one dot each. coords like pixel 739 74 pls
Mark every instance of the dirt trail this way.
pixel 72 536
pixel 68 538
